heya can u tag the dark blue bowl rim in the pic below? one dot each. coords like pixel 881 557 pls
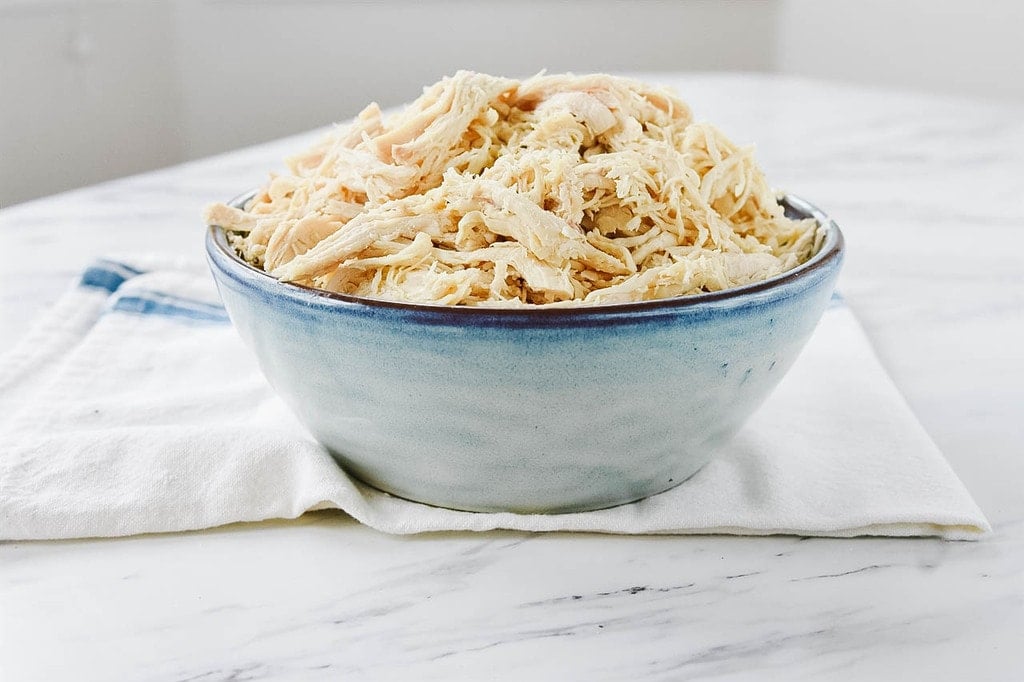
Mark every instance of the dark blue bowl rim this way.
pixel 831 251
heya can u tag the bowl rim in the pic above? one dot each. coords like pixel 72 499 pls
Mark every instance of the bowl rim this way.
pixel 831 251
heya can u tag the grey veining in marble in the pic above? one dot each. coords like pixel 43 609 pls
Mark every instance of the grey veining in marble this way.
pixel 930 193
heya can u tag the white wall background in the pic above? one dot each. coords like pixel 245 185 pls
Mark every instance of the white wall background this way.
pixel 255 73
pixel 960 47
pixel 96 89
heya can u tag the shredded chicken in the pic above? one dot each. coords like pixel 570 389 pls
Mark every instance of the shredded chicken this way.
pixel 558 189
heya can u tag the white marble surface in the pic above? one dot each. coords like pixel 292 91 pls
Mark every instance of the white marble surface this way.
pixel 930 193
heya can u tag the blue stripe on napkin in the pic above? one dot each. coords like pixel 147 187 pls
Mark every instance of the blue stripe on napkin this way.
pixel 107 275
pixel 166 305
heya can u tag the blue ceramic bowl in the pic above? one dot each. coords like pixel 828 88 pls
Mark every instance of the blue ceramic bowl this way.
pixel 526 410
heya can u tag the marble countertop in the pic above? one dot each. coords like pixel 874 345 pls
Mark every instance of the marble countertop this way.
pixel 930 194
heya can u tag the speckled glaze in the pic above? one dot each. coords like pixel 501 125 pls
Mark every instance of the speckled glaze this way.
pixel 526 410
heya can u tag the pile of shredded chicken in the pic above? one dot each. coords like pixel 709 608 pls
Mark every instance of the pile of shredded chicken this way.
pixel 490 191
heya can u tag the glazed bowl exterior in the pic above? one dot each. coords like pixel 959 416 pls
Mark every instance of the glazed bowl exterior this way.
pixel 531 409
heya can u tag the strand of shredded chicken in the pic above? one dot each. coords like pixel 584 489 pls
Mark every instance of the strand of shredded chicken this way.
pixel 489 191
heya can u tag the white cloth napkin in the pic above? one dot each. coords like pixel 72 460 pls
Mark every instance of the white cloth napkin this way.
pixel 133 407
